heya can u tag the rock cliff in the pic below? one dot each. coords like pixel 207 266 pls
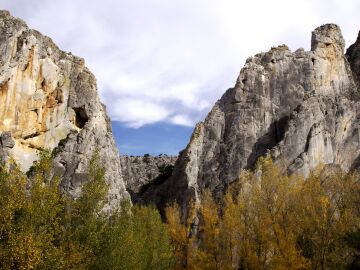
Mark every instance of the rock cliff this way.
pixel 301 108
pixel 139 172
pixel 48 99
pixel 353 55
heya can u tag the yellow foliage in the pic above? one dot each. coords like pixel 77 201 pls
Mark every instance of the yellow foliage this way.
pixel 265 220
pixel 269 220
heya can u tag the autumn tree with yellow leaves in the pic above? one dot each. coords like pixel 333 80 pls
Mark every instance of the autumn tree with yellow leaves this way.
pixel 264 220
pixel 269 220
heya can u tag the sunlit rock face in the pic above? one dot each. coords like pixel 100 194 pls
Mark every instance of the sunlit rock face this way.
pixel 301 108
pixel 48 100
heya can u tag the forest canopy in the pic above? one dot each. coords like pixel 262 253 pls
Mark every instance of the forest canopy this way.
pixel 269 220
pixel 42 228
pixel 265 220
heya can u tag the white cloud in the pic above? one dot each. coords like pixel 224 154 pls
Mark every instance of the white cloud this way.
pixel 181 120
pixel 137 112
pixel 161 60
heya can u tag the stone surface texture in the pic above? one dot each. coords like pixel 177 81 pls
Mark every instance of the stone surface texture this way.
pixel 353 55
pixel 141 170
pixel 48 99
pixel 301 108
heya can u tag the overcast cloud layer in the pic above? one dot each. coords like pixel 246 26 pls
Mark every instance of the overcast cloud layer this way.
pixel 170 60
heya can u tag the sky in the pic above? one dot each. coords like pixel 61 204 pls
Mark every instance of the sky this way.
pixel 162 64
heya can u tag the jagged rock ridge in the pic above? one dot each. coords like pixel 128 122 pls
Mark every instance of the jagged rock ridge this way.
pixel 301 108
pixel 48 99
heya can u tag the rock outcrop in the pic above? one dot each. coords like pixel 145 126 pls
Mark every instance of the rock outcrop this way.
pixel 139 171
pixel 301 108
pixel 6 144
pixel 48 99
pixel 353 55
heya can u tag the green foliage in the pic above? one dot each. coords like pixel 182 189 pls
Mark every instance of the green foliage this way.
pixel 144 241
pixel 30 214
pixel 353 240
pixel 41 228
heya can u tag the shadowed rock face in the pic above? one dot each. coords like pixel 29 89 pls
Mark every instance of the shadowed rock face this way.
pixel 353 55
pixel 48 99
pixel 139 171
pixel 301 108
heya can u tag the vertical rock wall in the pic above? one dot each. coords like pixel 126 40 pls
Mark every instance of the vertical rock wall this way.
pixel 301 108
pixel 48 99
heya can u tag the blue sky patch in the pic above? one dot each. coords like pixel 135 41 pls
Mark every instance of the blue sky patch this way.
pixel 154 139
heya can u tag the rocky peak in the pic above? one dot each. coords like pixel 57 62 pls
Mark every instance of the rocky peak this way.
pixel 330 66
pixel 49 100
pixel 299 107
pixel 326 37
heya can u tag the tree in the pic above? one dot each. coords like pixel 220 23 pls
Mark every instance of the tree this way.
pixel 179 234
pixel 135 238
pixel 325 215
pixel 30 213
pixel 265 220
pixel 269 220
pixel 84 221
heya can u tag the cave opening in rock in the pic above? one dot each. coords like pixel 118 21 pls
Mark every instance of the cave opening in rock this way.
pixel 280 128
pixel 81 117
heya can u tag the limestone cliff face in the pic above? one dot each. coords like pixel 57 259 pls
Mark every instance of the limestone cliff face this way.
pixel 302 108
pixel 48 99
pixel 141 170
